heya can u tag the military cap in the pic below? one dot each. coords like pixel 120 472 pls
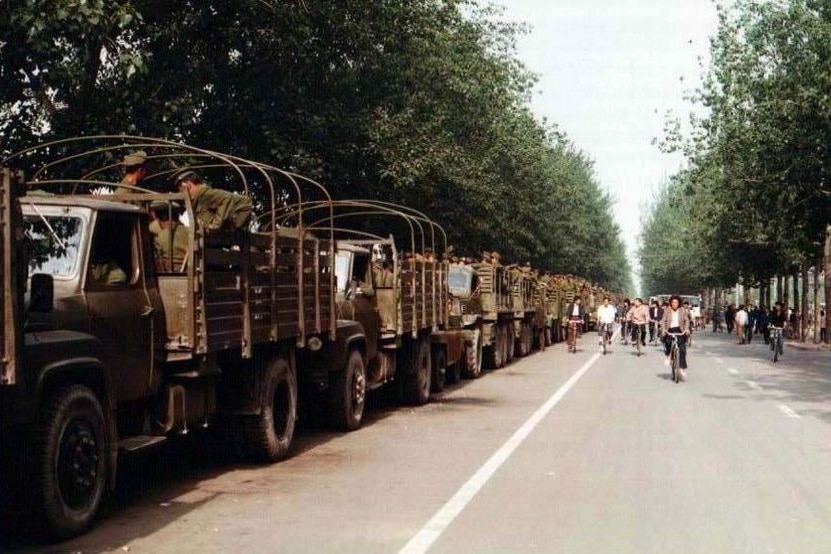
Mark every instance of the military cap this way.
pixel 185 175
pixel 139 157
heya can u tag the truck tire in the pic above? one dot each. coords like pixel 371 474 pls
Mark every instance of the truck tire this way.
pixel 439 371
pixel 417 377
pixel 70 461
pixel 268 435
pixel 473 368
pixel 347 394
pixel 502 334
pixel 510 343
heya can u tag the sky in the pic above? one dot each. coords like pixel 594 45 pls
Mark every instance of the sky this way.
pixel 609 71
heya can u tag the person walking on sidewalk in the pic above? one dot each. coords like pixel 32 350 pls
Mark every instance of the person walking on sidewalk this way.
pixel 741 323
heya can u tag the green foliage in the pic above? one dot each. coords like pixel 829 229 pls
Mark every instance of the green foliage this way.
pixel 759 177
pixel 420 102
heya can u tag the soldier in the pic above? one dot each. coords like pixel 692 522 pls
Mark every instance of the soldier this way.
pixel 170 237
pixel 135 171
pixel 215 209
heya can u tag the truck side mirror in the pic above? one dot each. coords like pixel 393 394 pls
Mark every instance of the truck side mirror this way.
pixel 42 293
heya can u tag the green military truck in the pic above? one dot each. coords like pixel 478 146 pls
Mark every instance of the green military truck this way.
pixel 96 364
pixel 529 313
pixel 400 300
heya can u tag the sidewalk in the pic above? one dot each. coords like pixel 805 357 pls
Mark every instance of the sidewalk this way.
pixel 807 345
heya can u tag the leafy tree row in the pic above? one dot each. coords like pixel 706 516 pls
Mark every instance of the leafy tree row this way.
pixel 420 102
pixel 755 201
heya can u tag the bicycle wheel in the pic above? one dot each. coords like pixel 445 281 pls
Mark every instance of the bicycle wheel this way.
pixel 775 349
pixel 673 362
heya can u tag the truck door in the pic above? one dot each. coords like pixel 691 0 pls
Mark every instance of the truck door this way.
pixel 121 313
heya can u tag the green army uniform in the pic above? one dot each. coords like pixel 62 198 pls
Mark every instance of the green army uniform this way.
pixel 107 273
pixel 133 159
pixel 217 209
pixel 162 243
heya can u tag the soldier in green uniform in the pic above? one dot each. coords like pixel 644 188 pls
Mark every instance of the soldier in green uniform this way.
pixel 170 237
pixel 135 170
pixel 107 273
pixel 215 209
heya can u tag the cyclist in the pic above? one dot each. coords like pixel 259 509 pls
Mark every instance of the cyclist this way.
pixel 676 320
pixel 576 316
pixel 606 314
pixel 778 319
pixel 655 313
pixel 622 314
pixel 638 316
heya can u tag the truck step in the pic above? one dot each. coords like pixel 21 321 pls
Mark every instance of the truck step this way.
pixel 140 442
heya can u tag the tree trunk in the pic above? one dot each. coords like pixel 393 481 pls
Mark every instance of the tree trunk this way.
pixel 803 336
pixel 786 294
pixel 779 288
pixel 826 269
pixel 816 303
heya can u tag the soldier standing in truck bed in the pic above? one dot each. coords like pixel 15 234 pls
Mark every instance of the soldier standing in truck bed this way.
pixel 170 237
pixel 135 170
pixel 215 209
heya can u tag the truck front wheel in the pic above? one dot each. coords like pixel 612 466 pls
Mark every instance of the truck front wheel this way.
pixel 439 370
pixel 269 434
pixel 347 394
pixel 70 461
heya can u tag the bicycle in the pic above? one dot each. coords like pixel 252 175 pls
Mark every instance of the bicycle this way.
pixel 678 374
pixel 625 329
pixel 572 335
pixel 638 335
pixel 776 342
pixel 605 336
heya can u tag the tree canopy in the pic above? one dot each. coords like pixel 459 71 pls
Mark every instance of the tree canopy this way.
pixel 420 102
pixel 755 200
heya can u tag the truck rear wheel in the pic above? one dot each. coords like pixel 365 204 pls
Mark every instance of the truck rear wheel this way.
pixel 417 375
pixel 510 343
pixel 439 370
pixel 473 368
pixel 268 435
pixel 70 461
pixel 347 394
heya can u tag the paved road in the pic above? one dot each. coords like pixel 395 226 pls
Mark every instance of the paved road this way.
pixel 615 458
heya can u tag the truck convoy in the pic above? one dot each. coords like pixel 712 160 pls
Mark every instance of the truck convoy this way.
pixel 109 347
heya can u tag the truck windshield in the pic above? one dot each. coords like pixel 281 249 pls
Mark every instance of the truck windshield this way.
pixel 53 244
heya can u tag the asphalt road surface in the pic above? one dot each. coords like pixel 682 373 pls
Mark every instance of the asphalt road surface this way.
pixel 557 452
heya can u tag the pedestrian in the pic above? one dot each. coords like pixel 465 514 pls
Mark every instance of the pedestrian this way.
pixel 823 331
pixel 716 315
pixel 762 324
pixel 752 317
pixel 215 209
pixel 729 318
pixel 741 323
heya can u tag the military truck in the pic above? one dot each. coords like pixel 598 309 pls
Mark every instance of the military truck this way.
pixel 412 344
pixel 529 312
pixel 96 364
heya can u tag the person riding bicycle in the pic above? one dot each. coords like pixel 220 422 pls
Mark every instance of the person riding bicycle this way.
pixel 778 319
pixel 655 315
pixel 639 316
pixel 606 314
pixel 676 321
pixel 622 315
pixel 576 317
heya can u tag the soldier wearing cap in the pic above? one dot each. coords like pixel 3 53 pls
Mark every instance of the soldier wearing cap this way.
pixel 135 171
pixel 215 209
pixel 170 237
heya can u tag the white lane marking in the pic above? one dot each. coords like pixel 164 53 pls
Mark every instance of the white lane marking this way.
pixel 732 371
pixel 753 385
pixel 789 412
pixel 720 360
pixel 442 519
pixel 709 353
